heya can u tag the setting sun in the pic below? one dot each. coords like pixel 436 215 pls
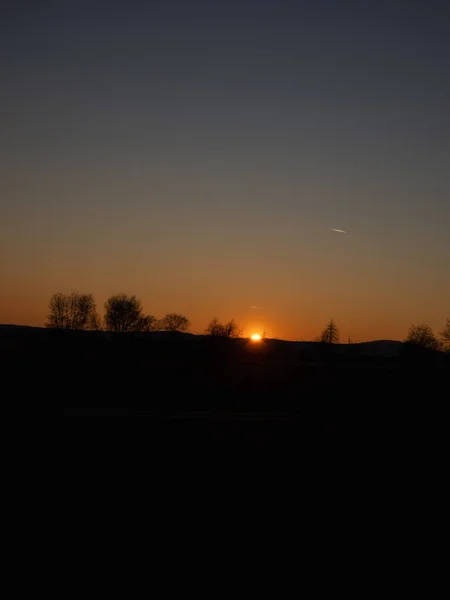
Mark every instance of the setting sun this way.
pixel 256 337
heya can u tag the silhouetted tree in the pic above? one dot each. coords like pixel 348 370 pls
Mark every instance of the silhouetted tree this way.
pixel 422 335
pixel 95 322
pixel 73 311
pixel 123 313
pixel 57 306
pixel 148 323
pixel 175 322
pixel 228 330
pixel 445 335
pixel 330 335
pixel 214 328
pixel 231 329
pixel 158 325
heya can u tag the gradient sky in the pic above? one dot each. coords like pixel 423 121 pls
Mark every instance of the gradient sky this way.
pixel 197 153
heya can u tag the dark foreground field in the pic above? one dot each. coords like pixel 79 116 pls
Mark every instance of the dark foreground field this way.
pixel 176 379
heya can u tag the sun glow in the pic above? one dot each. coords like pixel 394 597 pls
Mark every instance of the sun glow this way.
pixel 255 337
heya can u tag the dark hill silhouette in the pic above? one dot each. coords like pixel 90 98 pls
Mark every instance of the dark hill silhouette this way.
pixel 384 348
pixel 180 376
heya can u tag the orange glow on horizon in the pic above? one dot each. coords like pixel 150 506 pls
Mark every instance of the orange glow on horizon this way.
pixel 255 337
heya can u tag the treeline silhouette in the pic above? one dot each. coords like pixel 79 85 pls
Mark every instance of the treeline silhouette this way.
pixel 123 313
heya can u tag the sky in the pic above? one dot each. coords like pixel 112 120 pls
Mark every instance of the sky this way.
pixel 198 155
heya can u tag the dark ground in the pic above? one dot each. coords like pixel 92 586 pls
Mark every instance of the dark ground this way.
pixel 177 383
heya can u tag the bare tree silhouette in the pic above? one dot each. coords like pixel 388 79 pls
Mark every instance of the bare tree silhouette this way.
pixel 148 323
pixel 57 317
pixel 175 322
pixel 73 311
pixel 124 313
pixel 95 322
pixel 214 327
pixel 422 335
pixel 445 335
pixel 228 330
pixel 330 335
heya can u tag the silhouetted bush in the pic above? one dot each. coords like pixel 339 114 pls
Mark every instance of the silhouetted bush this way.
pixel 224 330
pixel 175 322
pixel 148 323
pixel 422 335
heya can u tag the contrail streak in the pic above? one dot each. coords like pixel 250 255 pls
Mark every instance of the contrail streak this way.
pixel 337 230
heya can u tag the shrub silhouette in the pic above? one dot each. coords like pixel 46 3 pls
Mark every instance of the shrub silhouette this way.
pixel 422 335
pixel 148 323
pixel 226 330
pixel 175 322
